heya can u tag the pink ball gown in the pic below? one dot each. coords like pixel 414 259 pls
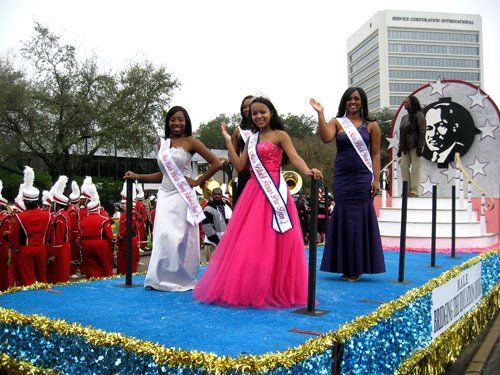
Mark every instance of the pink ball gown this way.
pixel 254 265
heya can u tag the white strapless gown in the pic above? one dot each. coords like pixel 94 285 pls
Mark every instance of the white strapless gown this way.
pixel 175 258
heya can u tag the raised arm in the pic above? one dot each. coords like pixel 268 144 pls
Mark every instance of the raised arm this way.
pixel 151 177
pixel 327 131
pixel 214 164
pixel 375 136
pixel 299 163
pixel 234 139
pixel 239 162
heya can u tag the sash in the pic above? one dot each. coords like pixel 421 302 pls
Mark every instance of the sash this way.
pixel 276 196
pixel 195 213
pixel 245 134
pixel 357 142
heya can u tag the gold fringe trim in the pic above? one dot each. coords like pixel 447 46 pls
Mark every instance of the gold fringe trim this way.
pixel 446 348
pixel 13 366
pixel 213 363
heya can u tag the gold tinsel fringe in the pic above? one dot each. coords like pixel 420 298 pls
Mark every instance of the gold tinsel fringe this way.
pixel 13 366
pixel 446 348
pixel 174 358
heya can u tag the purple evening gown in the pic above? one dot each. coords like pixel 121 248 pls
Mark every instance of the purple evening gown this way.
pixel 353 244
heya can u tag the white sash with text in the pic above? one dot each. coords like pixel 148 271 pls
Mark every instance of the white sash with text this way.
pixel 276 196
pixel 195 213
pixel 357 141
pixel 245 134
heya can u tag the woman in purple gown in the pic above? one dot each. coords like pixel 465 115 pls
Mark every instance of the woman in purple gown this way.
pixel 353 244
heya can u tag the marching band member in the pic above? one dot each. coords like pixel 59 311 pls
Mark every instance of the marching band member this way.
pixel 29 234
pixel 59 253
pixel 74 217
pixel 97 240
pixel 6 270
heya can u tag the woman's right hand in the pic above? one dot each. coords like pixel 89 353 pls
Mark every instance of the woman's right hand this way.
pixel 225 134
pixel 316 105
pixel 129 175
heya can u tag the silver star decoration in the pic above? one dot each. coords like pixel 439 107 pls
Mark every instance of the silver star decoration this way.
pixel 488 129
pixel 451 173
pixel 477 99
pixel 393 142
pixel 477 167
pixel 427 185
pixel 437 87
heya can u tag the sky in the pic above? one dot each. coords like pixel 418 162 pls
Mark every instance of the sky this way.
pixel 221 51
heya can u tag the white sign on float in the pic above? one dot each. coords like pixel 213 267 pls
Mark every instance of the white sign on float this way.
pixel 452 300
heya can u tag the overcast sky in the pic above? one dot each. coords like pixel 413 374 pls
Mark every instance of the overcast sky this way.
pixel 221 51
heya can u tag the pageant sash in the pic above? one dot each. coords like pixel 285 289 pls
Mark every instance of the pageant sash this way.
pixel 195 213
pixel 357 141
pixel 276 196
pixel 245 134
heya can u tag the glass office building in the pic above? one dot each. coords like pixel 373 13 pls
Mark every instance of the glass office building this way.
pixel 395 52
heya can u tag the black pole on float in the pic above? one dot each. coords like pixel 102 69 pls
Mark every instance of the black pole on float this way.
pixel 128 238
pixel 434 220
pixel 402 240
pixel 128 235
pixel 313 228
pixel 453 204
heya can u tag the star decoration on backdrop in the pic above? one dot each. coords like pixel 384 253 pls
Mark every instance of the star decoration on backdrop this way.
pixel 393 142
pixel 477 99
pixel 487 130
pixel 477 167
pixel 427 185
pixel 451 173
pixel 437 87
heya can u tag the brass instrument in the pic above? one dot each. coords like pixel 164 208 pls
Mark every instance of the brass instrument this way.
pixel 206 188
pixel 230 185
pixel 293 180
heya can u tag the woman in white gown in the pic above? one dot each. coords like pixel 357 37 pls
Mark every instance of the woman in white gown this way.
pixel 175 259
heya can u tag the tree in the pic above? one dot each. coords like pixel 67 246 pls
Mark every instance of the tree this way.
pixel 209 133
pixel 384 120
pixel 66 107
pixel 299 126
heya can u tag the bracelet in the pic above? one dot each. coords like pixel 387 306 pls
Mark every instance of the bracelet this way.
pixel 136 177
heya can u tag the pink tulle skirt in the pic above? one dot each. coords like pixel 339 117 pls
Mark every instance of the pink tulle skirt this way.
pixel 254 265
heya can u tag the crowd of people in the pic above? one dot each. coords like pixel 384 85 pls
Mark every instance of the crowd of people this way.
pixel 61 237
pixel 253 247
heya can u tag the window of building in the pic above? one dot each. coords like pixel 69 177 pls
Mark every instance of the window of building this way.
pixel 434 49
pixel 373 92
pixel 373 106
pixel 396 100
pixel 365 72
pixel 428 61
pixel 403 87
pixel 363 47
pixel 434 36
pixel 432 75
pixel 366 83
pixel 358 64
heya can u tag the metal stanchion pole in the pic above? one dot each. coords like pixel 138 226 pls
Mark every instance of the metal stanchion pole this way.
pixel 402 242
pixel 434 219
pixel 313 227
pixel 453 207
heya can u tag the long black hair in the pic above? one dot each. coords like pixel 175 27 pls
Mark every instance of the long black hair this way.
pixel 187 131
pixel 414 106
pixel 276 122
pixel 365 114
pixel 246 121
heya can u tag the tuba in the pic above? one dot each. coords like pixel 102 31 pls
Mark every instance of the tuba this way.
pixel 293 181
pixel 206 189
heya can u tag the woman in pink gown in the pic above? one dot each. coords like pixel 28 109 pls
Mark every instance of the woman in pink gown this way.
pixel 255 265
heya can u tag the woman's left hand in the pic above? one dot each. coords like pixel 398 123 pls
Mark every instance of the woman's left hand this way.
pixel 374 188
pixel 316 173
